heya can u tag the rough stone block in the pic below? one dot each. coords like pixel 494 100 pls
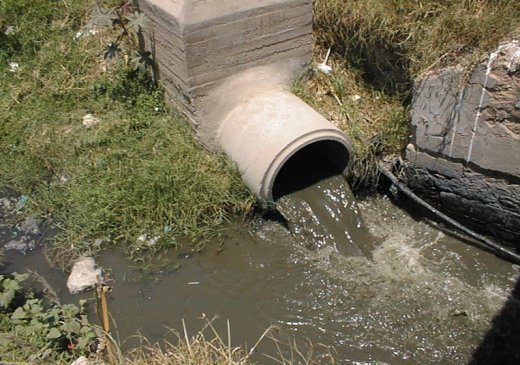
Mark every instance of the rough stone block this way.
pixel 488 205
pixel 513 222
pixel 449 169
pixel 476 122
pixel 426 161
pixel 411 156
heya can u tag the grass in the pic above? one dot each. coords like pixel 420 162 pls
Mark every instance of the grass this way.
pixel 378 48
pixel 139 173
pixel 207 346
pixel 375 122
pixel 394 41
pixel 136 172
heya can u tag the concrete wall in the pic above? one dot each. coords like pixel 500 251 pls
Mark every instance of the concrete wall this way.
pixel 229 65
pixel 465 151
pixel 200 44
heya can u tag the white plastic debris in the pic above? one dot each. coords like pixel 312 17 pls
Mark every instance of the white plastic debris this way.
pixel 14 66
pixel 150 241
pixel 93 30
pixel 355 97
pixel 323 67
pixel 87 32
pixel 10 29
pixel 514 64
pixel 90 120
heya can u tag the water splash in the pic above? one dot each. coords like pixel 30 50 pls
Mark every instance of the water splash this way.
pixel 421 298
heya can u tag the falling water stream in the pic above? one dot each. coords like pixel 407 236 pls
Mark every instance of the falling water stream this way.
pixel 386 289
pixel 326 215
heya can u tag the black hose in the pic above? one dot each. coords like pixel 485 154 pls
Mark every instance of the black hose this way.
pixel 486 243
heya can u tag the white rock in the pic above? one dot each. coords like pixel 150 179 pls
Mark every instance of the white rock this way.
pixel 84 275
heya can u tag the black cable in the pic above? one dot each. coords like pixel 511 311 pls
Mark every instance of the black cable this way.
pixel 494 247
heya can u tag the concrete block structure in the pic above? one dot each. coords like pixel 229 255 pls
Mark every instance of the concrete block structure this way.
pixel 229 64
pixel 200 44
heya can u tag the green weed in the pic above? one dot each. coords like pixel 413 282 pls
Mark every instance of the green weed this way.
pixel 33 331
pixel 375 122
pixel 91 141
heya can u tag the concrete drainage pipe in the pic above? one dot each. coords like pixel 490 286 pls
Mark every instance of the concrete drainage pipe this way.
pixel 281 144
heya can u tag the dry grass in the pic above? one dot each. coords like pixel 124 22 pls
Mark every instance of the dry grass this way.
pixel 375 122
pixel 378 48
pixel 393 41
pixel 207 347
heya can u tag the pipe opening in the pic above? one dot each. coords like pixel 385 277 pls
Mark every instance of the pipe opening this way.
pixel 309 165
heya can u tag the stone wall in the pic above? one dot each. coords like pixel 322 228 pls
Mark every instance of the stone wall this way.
pixel 465 151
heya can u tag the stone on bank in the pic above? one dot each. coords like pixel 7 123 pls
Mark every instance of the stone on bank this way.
pixel 84 275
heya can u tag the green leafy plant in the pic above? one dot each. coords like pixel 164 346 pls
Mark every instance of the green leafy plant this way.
pixel 9 287
pixel 127 23
pixel 30 330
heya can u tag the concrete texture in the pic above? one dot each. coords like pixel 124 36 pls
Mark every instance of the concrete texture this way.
pixel 228 65
pixel 198 44
pixel 465 151
pixel 262 133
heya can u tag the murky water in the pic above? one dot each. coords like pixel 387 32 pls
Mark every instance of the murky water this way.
pixel 421 298
pixel 326 215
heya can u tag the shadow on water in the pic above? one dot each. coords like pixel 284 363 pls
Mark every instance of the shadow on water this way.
pixel 501 344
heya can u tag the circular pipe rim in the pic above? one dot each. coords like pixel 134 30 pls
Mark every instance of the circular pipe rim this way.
pixel 294 147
